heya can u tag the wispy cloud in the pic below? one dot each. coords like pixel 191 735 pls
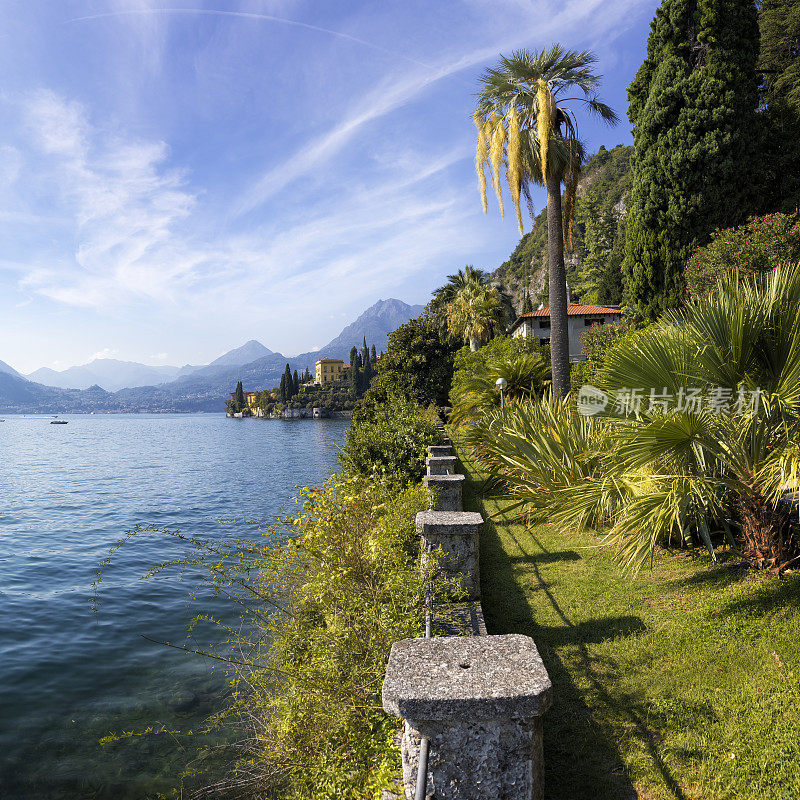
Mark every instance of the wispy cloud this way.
pixel 393 91
pixel 123 201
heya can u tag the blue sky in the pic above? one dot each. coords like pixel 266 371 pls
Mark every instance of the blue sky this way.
pixel 177 178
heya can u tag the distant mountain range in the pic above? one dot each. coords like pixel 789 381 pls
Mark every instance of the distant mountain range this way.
pixel 111 385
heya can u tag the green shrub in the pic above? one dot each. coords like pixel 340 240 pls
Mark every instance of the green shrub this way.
pixel 759 245
pixel 598 342
pixel 389 440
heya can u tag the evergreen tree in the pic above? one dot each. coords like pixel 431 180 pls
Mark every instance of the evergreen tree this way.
pixel 295 383
pixel 353 354
pixel 355 375
pixel 282 389
pixel 288 383
pixel 366 374
pixel 373 355
pixel 779 62
pixel 240 403
pixel 693 109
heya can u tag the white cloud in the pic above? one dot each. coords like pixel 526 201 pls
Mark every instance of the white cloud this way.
pixel 122 201
pixel 106 352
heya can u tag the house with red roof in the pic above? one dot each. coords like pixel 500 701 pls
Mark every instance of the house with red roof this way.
pixel 537 323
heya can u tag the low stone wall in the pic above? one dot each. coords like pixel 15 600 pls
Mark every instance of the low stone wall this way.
pixel 476 701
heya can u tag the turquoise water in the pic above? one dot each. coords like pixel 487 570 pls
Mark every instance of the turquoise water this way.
pixel 68 675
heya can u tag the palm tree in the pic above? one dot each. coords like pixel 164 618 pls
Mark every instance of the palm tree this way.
pixel 521 125
pixel 475 314
pixel 464 278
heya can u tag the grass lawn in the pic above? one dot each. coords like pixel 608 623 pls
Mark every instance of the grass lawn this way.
pixel 681 683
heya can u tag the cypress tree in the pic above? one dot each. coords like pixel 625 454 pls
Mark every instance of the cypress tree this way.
pixel 366 375
pixel 288 383
pixel 373 354
pixel 353 354
pixel 355 375
pixel 282 389
pixel 239 397
pixel 295 383
pixel 693 109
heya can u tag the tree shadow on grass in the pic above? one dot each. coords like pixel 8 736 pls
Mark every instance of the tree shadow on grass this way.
pixel 581 760
pixel 546 558
pixel 774 594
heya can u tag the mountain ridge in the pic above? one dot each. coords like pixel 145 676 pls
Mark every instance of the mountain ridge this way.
pixel 207 387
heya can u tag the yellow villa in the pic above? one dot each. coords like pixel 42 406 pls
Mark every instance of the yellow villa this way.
pixel 329 370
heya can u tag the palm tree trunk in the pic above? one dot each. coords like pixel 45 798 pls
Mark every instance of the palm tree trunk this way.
pixel 559 330
pixel 474 343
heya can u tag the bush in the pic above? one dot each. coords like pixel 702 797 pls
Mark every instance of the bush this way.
pixel 323 595
pixel 389 440
pixel 520 361
pixel 598 343
pixel 759 245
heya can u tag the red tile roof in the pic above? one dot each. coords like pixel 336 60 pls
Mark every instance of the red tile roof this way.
pixel 572 311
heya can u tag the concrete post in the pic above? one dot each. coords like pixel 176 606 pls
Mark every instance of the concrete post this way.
pixel 441 465
pixel 457 533
pixel 445 491
pixel 479 701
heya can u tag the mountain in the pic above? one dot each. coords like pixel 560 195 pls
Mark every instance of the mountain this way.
pixel 200 388
pixel 5 368
pixel 109 373
pixel 247 353
pixel 374 325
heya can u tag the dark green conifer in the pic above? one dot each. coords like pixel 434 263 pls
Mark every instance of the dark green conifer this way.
pixel 295 383
pixel 373 354
pixel 695 166
pixel 353 354
pixel 288 383
pixel 355 375
pixel 240 403
pixel 282 389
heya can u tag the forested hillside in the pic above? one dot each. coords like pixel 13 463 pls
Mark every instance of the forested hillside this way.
pixel 594 267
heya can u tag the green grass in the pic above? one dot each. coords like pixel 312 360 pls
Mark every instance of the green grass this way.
pixel 680 683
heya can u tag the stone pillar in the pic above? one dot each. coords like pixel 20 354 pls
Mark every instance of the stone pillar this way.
pixel 440 450
pixel 457 533
pixel 441 465
pixel 479 701
pixel 445 491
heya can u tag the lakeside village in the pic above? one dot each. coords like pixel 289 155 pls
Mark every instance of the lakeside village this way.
pixel 336 386
pixel 332 391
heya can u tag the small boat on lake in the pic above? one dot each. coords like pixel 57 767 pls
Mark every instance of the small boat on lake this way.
pixel 58 422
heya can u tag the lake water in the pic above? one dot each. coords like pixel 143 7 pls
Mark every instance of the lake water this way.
pixel 68 675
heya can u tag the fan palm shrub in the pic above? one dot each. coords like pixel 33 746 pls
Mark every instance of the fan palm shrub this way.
pixel 476 394
pixel 700 435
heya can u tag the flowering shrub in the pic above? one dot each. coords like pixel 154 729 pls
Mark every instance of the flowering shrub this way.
pixel 760 245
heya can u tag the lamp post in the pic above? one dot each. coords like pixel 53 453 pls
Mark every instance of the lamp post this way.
pixel 501 384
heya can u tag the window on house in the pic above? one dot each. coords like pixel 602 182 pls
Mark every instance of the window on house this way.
pixel 544 324
pixel 594 321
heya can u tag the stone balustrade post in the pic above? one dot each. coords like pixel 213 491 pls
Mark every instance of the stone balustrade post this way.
pixel 440 450
pixel 441 465
pixel 479 701
pixel 457 533
pixel 445 491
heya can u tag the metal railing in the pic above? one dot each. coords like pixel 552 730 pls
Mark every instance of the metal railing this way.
pixel 422 765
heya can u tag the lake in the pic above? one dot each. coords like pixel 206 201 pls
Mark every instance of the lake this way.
pixel 69 675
